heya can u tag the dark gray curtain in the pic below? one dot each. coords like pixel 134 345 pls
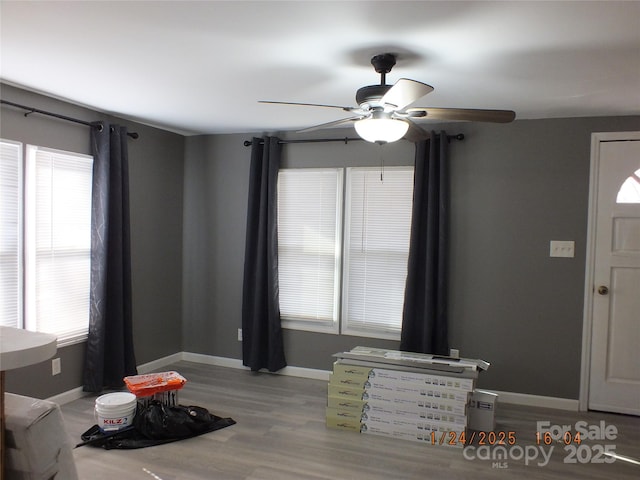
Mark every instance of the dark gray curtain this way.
pixel 424 322
pixel 109 355
pixel 262 345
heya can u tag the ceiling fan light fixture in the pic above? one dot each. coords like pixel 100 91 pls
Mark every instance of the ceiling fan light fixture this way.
pixel 382 115
pixel 381 130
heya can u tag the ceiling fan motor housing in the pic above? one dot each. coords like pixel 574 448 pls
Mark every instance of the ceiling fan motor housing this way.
pixel 371 94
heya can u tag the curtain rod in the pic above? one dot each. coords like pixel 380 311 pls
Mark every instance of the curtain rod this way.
pixel 31 110
pixel 247 143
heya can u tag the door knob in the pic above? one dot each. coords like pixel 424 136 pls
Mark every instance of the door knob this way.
pixel 602 290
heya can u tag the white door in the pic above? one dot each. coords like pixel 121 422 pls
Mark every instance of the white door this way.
pixel 614 379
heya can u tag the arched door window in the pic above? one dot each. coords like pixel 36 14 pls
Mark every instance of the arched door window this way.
pixel 630 190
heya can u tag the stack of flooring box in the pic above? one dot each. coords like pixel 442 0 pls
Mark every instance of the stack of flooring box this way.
pixel 403 395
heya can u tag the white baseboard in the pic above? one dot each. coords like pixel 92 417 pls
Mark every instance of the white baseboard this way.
pixel 68 396
pixel 316 374
pixel 235 363
pixel 77 393
pixel 160 363
pixel 306 373
pixel 212 360
pixel 529 400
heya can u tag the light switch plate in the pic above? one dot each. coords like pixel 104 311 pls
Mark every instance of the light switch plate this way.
pixel 562 248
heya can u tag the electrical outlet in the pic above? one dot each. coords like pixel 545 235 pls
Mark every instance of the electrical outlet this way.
pixel 454 353
pixel 239 334
pixel 56 366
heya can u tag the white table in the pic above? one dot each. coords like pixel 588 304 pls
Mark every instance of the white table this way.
pixel 19 348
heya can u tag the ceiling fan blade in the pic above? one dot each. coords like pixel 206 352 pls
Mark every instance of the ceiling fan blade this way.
pixel 466 114
pixel 415 132
pixel 330 124
pixel 346 109
pixel 404 92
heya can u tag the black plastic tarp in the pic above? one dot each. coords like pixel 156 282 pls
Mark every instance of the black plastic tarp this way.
pixel 156 424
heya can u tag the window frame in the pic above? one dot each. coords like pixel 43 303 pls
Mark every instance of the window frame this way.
pixel 388 332
pixel 19 257
pixel 333 326
pixel 26 202
pixel 340 325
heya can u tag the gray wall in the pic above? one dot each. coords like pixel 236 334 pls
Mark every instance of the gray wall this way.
pixel 156 171
pixel 216 189
pixel 514 188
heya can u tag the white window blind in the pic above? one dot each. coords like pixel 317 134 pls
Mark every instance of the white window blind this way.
pixel 309 206
pixel 58 242
pixel 377 230
pixel 10 233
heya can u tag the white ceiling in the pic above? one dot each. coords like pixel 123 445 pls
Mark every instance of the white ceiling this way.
pixel 201 67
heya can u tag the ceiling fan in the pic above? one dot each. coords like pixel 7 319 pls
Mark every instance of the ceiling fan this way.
pixel 382 115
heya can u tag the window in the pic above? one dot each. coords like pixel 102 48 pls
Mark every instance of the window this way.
pixel 309 225
pixel 378 224
pixel 630 190
pixel 344 280
pixel 55 195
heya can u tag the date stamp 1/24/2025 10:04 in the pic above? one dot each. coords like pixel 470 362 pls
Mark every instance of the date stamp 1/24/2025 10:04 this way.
pixel 580 443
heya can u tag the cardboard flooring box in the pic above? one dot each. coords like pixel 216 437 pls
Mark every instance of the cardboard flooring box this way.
pixel 350 424
pixel 354 375
pixel 399 395
pixel 435 435
pixel 347 381
pixel 381 358
pixel 393 391
pixel 419 407
pixel 385 376
pixel 37 444
pixel 345 392
pixel 344 414
pixel 355 371
pixel 346 403
pixel 415 424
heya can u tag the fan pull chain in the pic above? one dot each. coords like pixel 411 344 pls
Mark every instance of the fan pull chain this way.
pixel 381 166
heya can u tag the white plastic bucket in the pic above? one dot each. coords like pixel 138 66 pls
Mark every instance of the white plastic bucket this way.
pixel 114 411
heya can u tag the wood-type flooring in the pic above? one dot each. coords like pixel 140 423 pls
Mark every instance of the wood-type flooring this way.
pixel 280 434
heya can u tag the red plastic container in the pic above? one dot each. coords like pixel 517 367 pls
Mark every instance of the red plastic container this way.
pixel 153 383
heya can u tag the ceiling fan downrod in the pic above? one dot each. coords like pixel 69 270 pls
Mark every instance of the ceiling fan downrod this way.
pixel 371 94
